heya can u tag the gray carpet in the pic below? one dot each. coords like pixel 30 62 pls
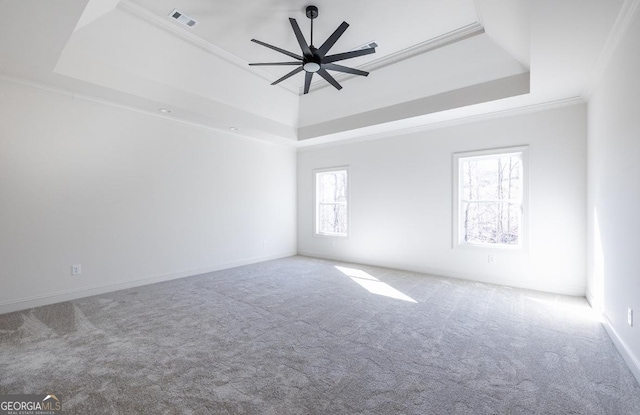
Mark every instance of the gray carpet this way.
pixel 299 336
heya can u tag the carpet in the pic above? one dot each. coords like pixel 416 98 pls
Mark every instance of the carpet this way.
pixel 309 336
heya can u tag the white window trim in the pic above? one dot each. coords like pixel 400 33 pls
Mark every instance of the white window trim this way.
pixel 315 203
pixel 523 246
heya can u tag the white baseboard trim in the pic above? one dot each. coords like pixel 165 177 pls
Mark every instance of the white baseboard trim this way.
pixel 632 362
pixel 68 295
pixel 563 289
pixel 590 298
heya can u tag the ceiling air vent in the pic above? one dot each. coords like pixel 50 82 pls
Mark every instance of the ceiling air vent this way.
pixel 182 18
pixel 368 45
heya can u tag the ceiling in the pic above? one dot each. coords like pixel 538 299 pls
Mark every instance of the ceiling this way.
pixel 438 61
pixel 231 25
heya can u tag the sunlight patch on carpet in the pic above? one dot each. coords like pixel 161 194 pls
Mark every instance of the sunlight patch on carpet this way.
pixel 373 285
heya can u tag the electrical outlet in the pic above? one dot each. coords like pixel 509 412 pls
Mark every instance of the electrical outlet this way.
pixel 491 259
pixel 76 269
pixel 630 316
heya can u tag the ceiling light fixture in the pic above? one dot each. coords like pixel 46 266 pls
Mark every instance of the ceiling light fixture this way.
pixel 233 128
pixel 315 60
pixel 165 110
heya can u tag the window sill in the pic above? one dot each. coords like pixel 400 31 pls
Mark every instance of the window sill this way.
pixel 516 249
pixel 331 235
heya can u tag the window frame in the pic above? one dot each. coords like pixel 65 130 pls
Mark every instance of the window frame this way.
pixel 457 241
pixel 316 201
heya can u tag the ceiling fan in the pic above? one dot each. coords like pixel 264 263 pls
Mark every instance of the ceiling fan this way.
pixel 315 60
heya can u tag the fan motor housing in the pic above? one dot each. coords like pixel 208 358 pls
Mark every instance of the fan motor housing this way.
pixel 315 60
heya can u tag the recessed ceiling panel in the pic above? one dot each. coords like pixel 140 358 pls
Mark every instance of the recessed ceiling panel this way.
pixel 123 53
pixel 394 26
pixel 469 62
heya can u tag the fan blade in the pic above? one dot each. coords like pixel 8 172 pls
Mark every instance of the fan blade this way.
pixel 307 81
pixel 323 73
pixel 303 43
pixel 348 55
pixel 340 68
pixel 286 52
pixel 332 39
pixel 289 75
pixel 275 63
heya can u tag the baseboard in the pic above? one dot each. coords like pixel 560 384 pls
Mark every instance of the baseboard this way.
pixel 61 296
pixel 590 298
pixel 593 301
pixel 627 354
pixel 577 291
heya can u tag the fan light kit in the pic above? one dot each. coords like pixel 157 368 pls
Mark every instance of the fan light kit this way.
pixel 315 60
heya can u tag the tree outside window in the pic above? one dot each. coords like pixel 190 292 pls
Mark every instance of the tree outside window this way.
pixel 491 198
pixel 331 202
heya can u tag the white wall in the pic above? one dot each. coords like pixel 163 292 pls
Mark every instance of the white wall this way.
pixel 132 197
pixel 401 201
pixel 614 195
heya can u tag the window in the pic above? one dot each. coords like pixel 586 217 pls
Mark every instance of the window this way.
pixel 490 197
pixel 332 195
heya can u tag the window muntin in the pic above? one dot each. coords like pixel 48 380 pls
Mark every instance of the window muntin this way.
pixel 491 202
pixel 332 193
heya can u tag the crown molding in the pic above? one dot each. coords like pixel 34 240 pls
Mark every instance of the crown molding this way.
pixel 509 112
pixel 170 27
pixel 299 145
pixel 618 31
pixel 45 88
pixel 478 12
pixel 457 35
pixel 72 95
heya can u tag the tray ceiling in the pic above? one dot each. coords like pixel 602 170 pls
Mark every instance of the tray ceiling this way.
pixel 393 25
pixel 438 60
